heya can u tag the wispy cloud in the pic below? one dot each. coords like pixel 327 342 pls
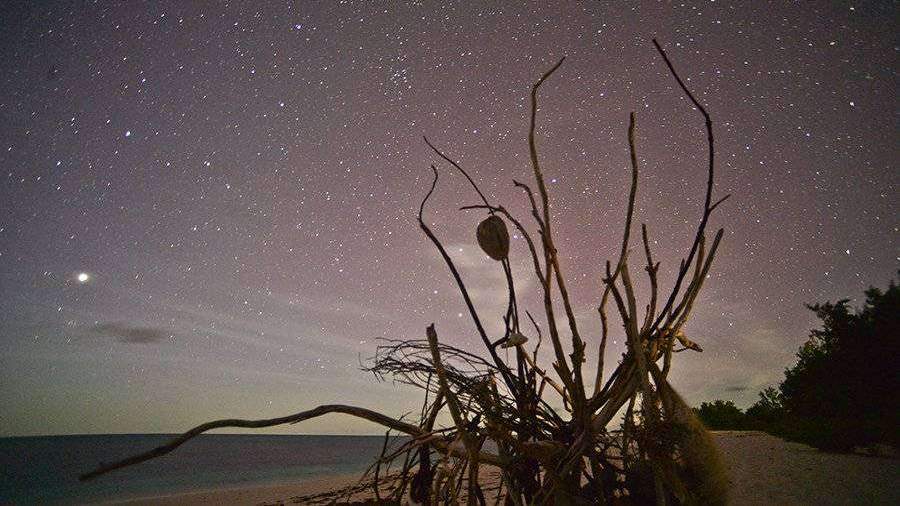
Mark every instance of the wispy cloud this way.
pixel 484 277
pixel 131 334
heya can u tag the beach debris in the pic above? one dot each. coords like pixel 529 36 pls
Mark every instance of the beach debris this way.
pixel 493 237
pixel 543 451
pixel 514 339
pixel 681 338
pixel 548 445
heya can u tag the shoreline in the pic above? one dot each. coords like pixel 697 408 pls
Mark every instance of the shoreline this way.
pixel 763 470
pixel 272 493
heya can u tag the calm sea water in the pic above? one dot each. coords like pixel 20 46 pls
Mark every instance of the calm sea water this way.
pixel 44 470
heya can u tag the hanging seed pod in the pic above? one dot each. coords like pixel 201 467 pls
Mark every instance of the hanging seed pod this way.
pixel 493 237
pixel 515 339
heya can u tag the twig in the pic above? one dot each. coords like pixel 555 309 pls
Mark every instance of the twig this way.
pixel 707 209
pixel 508 377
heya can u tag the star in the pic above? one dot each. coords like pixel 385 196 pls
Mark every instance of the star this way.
pixel 308 213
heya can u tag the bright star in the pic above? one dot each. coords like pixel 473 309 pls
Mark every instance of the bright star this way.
pixel 83 277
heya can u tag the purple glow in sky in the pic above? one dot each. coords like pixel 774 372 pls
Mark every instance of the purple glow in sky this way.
pixel 208 209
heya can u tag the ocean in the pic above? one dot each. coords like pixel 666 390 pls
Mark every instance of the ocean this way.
pixel 45 469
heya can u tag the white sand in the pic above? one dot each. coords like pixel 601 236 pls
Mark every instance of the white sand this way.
pixel 764 471
pixel 270 494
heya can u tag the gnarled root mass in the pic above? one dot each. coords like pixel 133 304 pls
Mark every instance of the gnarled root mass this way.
pixel 544 431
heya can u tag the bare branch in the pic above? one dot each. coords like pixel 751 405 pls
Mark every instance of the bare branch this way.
pixel 707 209
pixel 651 269
pixel 551 260
pixel 367 414
pixel 459 168
pixel 508 377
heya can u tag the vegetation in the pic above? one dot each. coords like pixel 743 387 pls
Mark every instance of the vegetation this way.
pixel 721 415
pixel 842 392
pixel 549 424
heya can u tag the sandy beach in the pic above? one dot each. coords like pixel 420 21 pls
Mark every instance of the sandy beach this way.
pixel 764 470
pixel 271 494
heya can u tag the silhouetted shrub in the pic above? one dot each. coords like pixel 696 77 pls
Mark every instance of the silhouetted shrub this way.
pixel 768 410
pixel 843 390
pixel 721 415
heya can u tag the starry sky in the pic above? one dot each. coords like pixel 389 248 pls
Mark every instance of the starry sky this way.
pixel 209 209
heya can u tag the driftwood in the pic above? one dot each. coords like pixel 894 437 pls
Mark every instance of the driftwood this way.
pixel 544 454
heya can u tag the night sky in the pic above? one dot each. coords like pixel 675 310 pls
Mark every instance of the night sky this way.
pixel 208 210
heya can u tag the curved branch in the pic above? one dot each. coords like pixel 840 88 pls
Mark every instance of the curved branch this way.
pixel 707 208
pixel 367 414
pixel 632 193
pixel 508 377
pixel 460 169
pixel 550 261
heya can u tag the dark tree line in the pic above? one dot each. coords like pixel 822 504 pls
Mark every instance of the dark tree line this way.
pixel 843 390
